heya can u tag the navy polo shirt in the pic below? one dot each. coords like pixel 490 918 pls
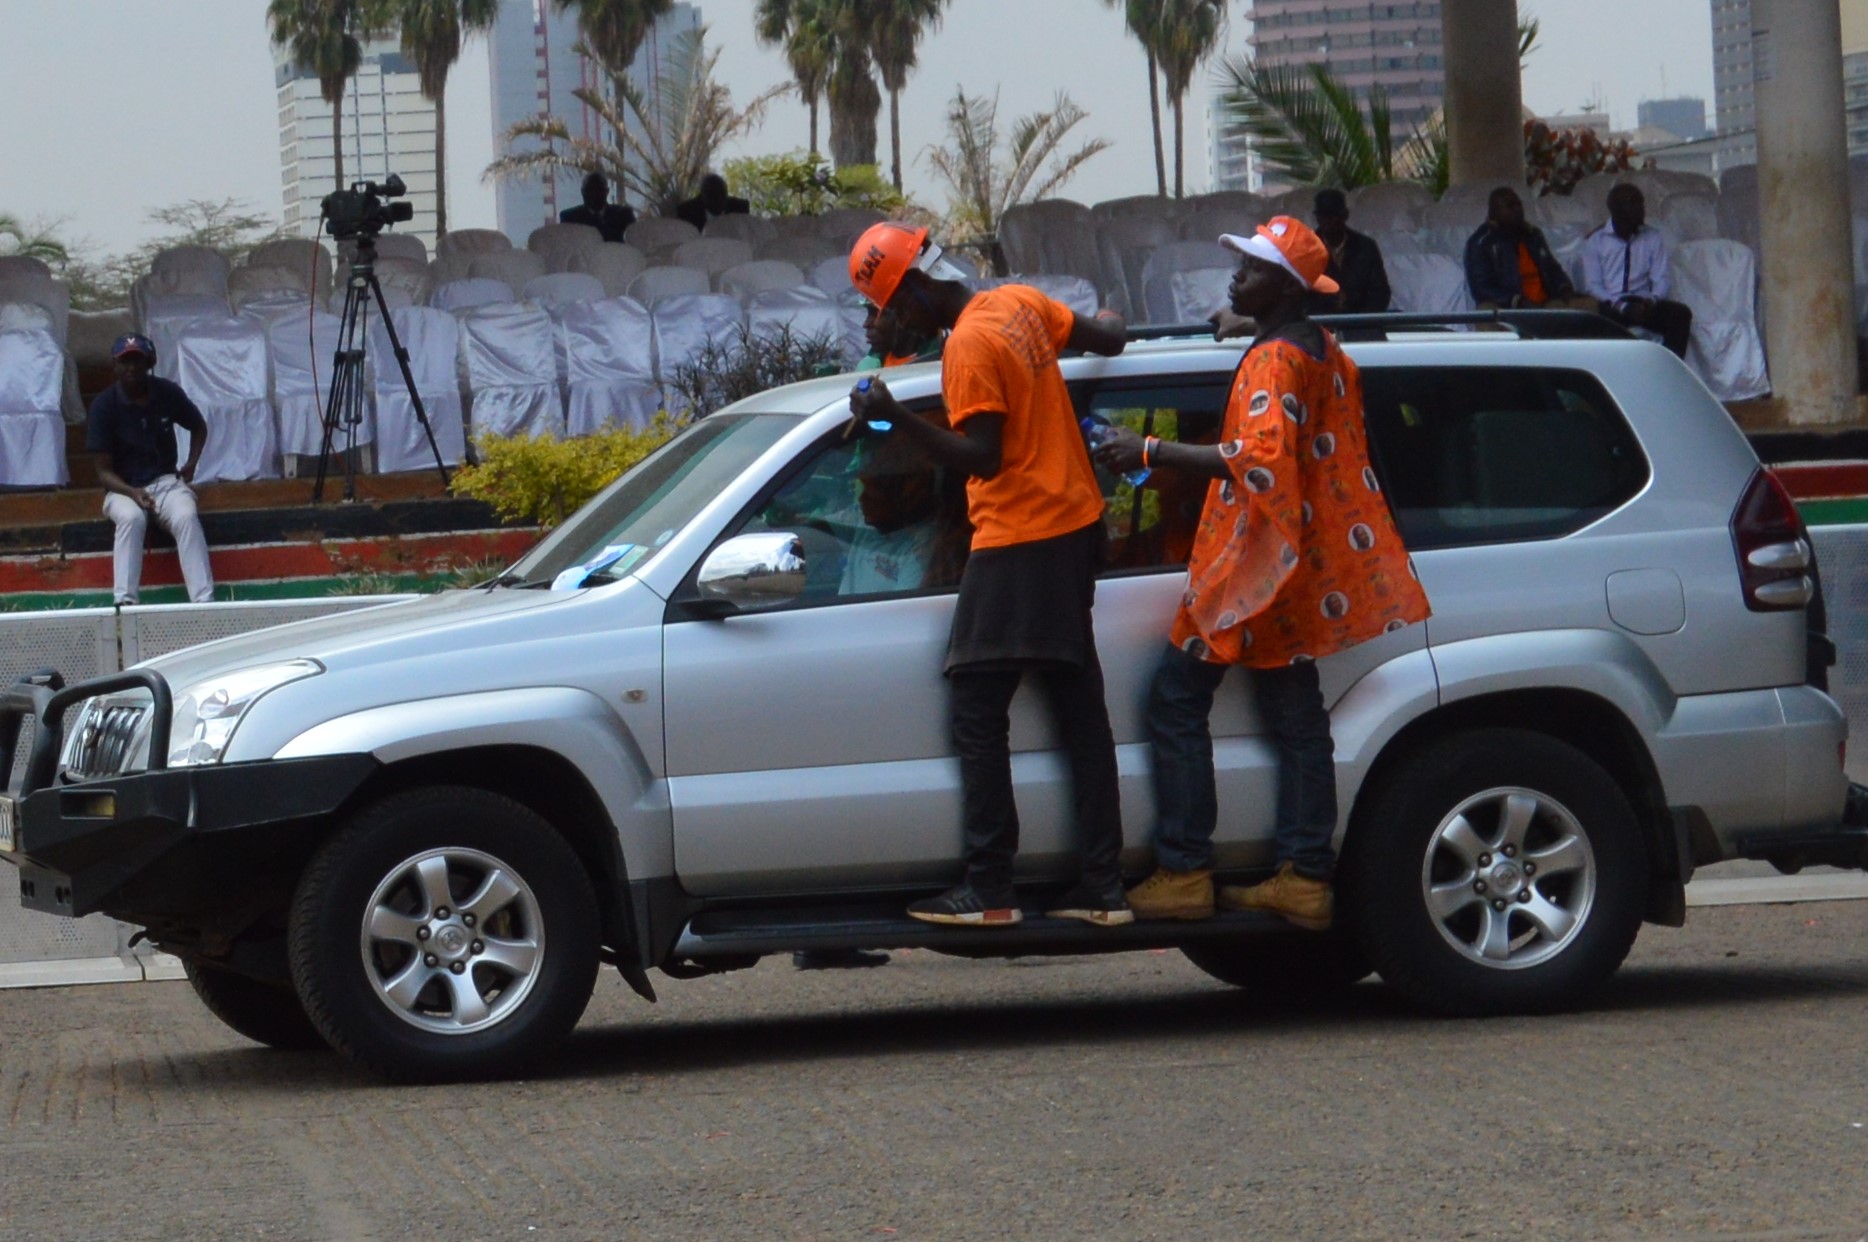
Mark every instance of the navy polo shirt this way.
pixel 141 438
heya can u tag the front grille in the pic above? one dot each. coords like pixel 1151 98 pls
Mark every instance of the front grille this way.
pixel 106 739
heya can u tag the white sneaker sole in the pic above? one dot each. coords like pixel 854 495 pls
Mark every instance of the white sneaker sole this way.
pixel 981 918
pixel 1097 918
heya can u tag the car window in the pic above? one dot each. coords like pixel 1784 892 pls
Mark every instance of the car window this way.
pixel 876 517
pixel 1158 532
pixel 1494 454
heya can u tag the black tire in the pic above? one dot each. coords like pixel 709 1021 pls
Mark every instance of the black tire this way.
pixel 1563 930
pixel 374 949
pixel 265 1013
pixel 1297 969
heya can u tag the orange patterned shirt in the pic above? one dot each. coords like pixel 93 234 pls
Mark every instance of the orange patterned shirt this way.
pixel 1297 555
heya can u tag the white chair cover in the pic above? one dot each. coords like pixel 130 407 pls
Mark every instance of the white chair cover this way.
pixel 805 251
pixel 32 430
pixel 852 313
pixel 189 269
pixel 1690 217
pixel 810 313
pixel 1388 206
pixel 1144 205
pixel 742 227
pixel 165 316
pixel 1076 292
pixel 1025 228
pixel 1206 226
pixel 832 275
pixel 555 289
pixel 471 242
pixel 1717 278
pixel 1199 293
pixel 402 246
pixel 713 255
pixel 609 351
pixel 446 269
pixel 653 284
pixel 249 284
pixel 406 275
pixel 749 279
pixel 1428 284
pixel 686 323
pixel 556 242
pixel 305 258
pixel 512 371
pixel 1445 226
pixel 613 263
pixel 303 359
pixel 23 265
pixel 516 267
pixel 843 225
pixel 221 365
pixel 432 338
pixel 465 295
pixel 1399 243
pixel 655 232
pixel 1158 271
pixel 50 294
pixel 1258 206
pixel 273 307
pixel 1126 241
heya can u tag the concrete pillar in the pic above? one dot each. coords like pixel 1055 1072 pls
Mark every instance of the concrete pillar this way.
pixel 1803 198
pixel 1484 96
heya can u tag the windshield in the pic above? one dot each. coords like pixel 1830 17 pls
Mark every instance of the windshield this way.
pixel 633 517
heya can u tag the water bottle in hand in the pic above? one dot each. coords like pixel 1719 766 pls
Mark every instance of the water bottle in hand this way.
pixel 1098 432
pixel 875 424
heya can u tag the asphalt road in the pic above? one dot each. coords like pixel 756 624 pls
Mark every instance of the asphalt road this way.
pixel 1718 1090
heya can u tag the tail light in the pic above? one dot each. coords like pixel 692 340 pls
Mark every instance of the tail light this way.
pixel 1773 547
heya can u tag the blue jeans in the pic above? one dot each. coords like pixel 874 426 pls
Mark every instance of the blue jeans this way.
pixel 1290 702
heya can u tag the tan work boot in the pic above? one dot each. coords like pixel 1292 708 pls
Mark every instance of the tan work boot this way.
pixel 1297 898
pixel 1173 895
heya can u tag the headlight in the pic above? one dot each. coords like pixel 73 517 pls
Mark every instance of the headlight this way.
pixel 208 712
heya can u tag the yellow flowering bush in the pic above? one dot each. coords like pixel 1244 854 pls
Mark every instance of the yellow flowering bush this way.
pixel 542 480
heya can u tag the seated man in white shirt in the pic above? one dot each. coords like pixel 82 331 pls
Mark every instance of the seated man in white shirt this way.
pixel 1625 270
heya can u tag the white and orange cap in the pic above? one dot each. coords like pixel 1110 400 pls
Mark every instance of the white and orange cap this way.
pixel 1293 246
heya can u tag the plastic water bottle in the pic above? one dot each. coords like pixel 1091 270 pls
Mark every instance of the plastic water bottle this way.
pixel 875 424
pixel 1098 432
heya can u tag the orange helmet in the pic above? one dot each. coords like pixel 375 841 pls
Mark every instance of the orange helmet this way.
pixel 882 256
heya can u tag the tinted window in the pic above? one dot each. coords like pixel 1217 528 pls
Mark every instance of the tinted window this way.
pixel 1159 532
pixel 1491 454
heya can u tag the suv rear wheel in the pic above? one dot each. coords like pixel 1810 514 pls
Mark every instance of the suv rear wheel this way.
pixel 1497 871
pixel 445 933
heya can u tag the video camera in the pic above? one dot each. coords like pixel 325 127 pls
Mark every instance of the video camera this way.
pixel 360 211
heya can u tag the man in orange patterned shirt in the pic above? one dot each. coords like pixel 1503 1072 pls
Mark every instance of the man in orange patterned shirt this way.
pixel 1297 557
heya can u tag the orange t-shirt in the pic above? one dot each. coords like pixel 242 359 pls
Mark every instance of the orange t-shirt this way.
pixel 1001 358
pixel 1297 555
pixel 1530 280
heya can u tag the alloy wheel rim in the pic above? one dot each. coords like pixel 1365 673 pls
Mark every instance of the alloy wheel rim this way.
pixel 453 940
pixel 1509 878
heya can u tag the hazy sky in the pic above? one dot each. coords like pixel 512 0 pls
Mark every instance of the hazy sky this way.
pixel 113 107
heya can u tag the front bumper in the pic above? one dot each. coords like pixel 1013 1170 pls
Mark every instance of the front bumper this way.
pixel 186 843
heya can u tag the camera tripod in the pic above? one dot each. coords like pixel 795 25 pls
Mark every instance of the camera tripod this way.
pixel 348 382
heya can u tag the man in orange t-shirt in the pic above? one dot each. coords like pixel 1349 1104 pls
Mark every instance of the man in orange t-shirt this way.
pixel 1029 583
pixel 1296 558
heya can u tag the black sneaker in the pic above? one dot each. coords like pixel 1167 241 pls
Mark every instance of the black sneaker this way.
pixel 837 959
pixel 962 906
pixel 1102 907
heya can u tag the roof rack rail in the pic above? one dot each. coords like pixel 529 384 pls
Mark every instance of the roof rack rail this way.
pixel 1539 325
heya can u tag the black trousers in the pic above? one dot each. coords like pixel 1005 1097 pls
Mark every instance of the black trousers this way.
pixel 982 701
pixel 1673 320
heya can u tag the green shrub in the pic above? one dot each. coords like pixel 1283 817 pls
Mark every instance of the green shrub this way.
pixel 541 480
pixel 730 370
pixel 799 184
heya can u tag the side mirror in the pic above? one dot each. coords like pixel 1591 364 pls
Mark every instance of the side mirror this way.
pixel 752 573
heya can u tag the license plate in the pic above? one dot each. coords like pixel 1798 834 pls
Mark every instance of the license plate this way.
pixel 8 817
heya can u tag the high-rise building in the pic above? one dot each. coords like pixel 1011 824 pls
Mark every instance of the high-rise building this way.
pixel 1684 117
pixel 535 72
pixel 387 128
pixel 1733 67
pixel 1394 46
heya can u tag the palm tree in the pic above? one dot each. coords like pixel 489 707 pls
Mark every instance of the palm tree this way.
pixel 16 238
pixel 1139 15
pixel 895 29
pixel 432 31
pixel 325 38
pixel 1308 126
pixel 804 29
pixel 981 183
pixel 670 145
pixel 614 30
pixel 1185 33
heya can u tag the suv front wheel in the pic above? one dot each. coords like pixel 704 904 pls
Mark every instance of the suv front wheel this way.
pixel 445 933
pixel 1497 871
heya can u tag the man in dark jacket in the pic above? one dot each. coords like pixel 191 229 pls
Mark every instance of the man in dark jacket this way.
pixel 1355 263
pixel 1509 264
pixel 610 219
pixel 711 202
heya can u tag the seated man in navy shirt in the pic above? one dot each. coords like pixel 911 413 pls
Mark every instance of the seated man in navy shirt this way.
pixel 132 431
pixel 610 219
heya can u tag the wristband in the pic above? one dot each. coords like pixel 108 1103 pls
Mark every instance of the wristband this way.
pixel 1148 451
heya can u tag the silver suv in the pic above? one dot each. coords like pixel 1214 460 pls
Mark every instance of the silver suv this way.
pixel 704 721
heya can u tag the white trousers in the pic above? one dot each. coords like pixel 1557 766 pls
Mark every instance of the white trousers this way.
pixel 175 509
